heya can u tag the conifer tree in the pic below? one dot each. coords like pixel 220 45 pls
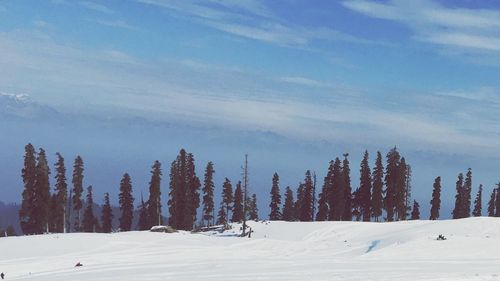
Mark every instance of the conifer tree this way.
pixel 324 197
pixel 478 202
pixel 492 203
pixel 41 195
pixel 126 201
pixel 356 207
pixel 415 213
pixel 337 196
pixel 392 181
pixel 401 191
pixel 288 212
pixel 497 201
pixel 61 196
pixel 436 199
pixel 363 196
pixel 459 198
pixel 208 194
pixel 346 176
pixel 306 199
pixel 377 202
pixel 227 196
pixel 107 215
pixel 297 207
pixel 275 199
pixel 467 194
pixel 77 191
pixel 222 216
pixel 144 222
pixel 29 178
pixel 154 202
pixel 192 202
pixel 88 215
pixel 253 211
pixel 238 204
pixel 184 192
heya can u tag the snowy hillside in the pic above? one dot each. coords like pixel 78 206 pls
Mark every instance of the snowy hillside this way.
pixel 277 251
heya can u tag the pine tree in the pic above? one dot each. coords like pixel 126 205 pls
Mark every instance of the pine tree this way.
pixel 107 215
pixel 297 206
pixel 392 181
pixel 208 194
pixel 497 201
pixel 126 201
pixel 144 222
pixel 346 176
pixel 154 202
pixel 459 197
pixel 88 215
pixel 184 192
pixel 61 196
pixel 467 194
pixel 401 191
pixel 415 213
pixel 363 197
pixel 253 211
pixel 305 204
pixel 492 203
pixel 77 191
pixel 227 196
pixel 191 196
pixel 436 199
pixel 41 195
pixel 377 202
pixel 29 178
pixel 275 199
pixel 288 212
pixel 478 202
pixel 337 196
pixel 324 197
pixel 238 204
pixel 222 216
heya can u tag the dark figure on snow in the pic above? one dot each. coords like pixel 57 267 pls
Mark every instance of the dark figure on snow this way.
pixel 78 264
pixel 2 275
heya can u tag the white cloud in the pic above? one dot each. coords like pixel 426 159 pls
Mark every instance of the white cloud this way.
pixel 80 80
pixel 456 29
pixel 97 7
pixel 470 30
pixel 253 20
pixel 117 24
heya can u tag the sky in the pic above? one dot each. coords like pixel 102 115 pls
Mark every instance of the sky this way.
pixel 422 75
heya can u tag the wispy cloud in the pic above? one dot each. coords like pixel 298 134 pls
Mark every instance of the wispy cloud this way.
pixel 470 30
pixel 117 24
pixel 75 79
pixel 97 7
pixel 251 19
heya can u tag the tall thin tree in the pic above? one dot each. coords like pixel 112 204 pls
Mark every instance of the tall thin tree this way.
pixel 365 188
pixel 126 201
pixel 107 215
pixel 478 202
pixel 77 191
pixel 154 202
pixel 288 212
pixel 29 179
pixel 377 202
pixel 275 199
pixel 208 194
pixel 88 215
pixel 436 199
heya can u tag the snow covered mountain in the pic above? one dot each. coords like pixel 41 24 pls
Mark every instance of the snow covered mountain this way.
pixel 277 250
pixel 22 106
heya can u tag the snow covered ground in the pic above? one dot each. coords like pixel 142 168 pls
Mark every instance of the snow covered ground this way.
pixel 277 251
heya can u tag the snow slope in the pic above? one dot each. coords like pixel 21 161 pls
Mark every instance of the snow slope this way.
pixel 277 251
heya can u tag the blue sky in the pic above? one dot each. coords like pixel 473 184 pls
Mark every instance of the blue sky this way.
pixel 422 75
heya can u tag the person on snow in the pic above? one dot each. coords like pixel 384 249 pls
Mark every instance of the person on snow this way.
pixel 2 275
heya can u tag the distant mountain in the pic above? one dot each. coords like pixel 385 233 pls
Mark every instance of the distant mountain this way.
pixel 22 106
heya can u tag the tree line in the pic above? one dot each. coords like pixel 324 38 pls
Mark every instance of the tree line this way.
pixel 63 209
pixel 383 194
